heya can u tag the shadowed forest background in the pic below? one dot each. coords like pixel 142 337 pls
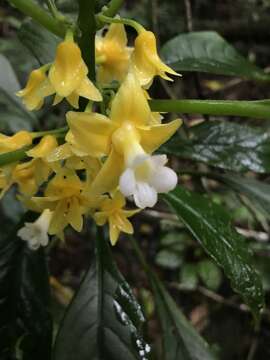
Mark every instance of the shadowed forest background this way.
pixel 196 283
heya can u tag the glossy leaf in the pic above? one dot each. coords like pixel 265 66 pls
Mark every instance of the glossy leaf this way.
pixel 180 339
pixel 24 300
pixel 225 145
pixel 39 41
pixel 211 226
pixel 103 320
pixel 257 191
pixel 207 51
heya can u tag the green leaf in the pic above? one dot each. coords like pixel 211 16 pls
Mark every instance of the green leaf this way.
pixel 257 191
pixel 207 51
pixel 210 274
pixel 168 259
pixel 211 226
pixel 39 41
pixel 189 276
pixel 225 145
pixel 180 339
pixel 14 116
pixel 24 300
pixel 103 320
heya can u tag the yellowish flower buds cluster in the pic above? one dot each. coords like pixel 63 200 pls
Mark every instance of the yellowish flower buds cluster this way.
pixel 103 159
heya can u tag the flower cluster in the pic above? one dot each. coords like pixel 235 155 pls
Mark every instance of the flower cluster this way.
pixel 104 158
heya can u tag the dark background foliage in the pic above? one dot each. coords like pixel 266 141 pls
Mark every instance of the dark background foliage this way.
pixel 207 159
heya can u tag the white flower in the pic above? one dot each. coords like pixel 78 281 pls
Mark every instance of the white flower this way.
pixel 145 177
pixel 36 233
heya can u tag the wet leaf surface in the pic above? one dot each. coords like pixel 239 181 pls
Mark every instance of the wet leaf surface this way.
pixel 225 145
pixel 104 319
pixel 211 226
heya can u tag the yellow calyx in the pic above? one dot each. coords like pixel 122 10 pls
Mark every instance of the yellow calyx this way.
pixel 112 211
pixel 113 54
pixel 146 61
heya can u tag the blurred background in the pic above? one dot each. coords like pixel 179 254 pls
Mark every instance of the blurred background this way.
pixel 196 283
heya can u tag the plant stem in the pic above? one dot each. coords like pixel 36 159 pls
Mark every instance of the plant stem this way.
pixel 60 132
pixel 113 7
pixel 105 19
pixel 14 156
pixel 244 108
pixel 30 8
pixel 87 25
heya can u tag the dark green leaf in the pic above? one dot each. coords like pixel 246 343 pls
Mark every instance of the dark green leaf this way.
pixel 207 51
pixel 24 300
pixel 39 41
pixel 189 276
pixel 210 274
pixel 168 259
pixel 257 191
pixel 211 226
pixel 103 320
pixel 225 145
pixel 180 339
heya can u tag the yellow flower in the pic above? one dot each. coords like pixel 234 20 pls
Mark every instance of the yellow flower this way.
pixel 31 174
pixel 129 134
pixel 65 196
pixel 37 88
pixel 68 75
pixel 112 211
pixel 14 142
pixel 146 60
pixel 113 54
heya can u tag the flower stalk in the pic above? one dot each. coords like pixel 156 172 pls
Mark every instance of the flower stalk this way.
pixel 30 8
pixel 87 26
pixel 242 108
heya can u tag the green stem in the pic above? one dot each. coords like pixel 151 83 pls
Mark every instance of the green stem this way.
pixel 14 156
pixel 139 254
pixel 253 109
pixel 105 19
pixel 87 25
pixel 57 132
pixel 112 8
pixel 30 8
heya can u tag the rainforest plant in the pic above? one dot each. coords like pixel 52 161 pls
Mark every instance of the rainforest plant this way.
pixel 106 165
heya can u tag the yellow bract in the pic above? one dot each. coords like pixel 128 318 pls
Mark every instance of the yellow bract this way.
pixel 146 60
pixel 112 54
pixel 112 211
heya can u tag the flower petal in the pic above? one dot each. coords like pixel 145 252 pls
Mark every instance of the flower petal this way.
pixel 68 69
pixel 155 136
pixel 88 90
pixel 91 132
pixel 145 195
pixel 130 103
pixel 108 177
pixel 127 182
pixel 164 180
